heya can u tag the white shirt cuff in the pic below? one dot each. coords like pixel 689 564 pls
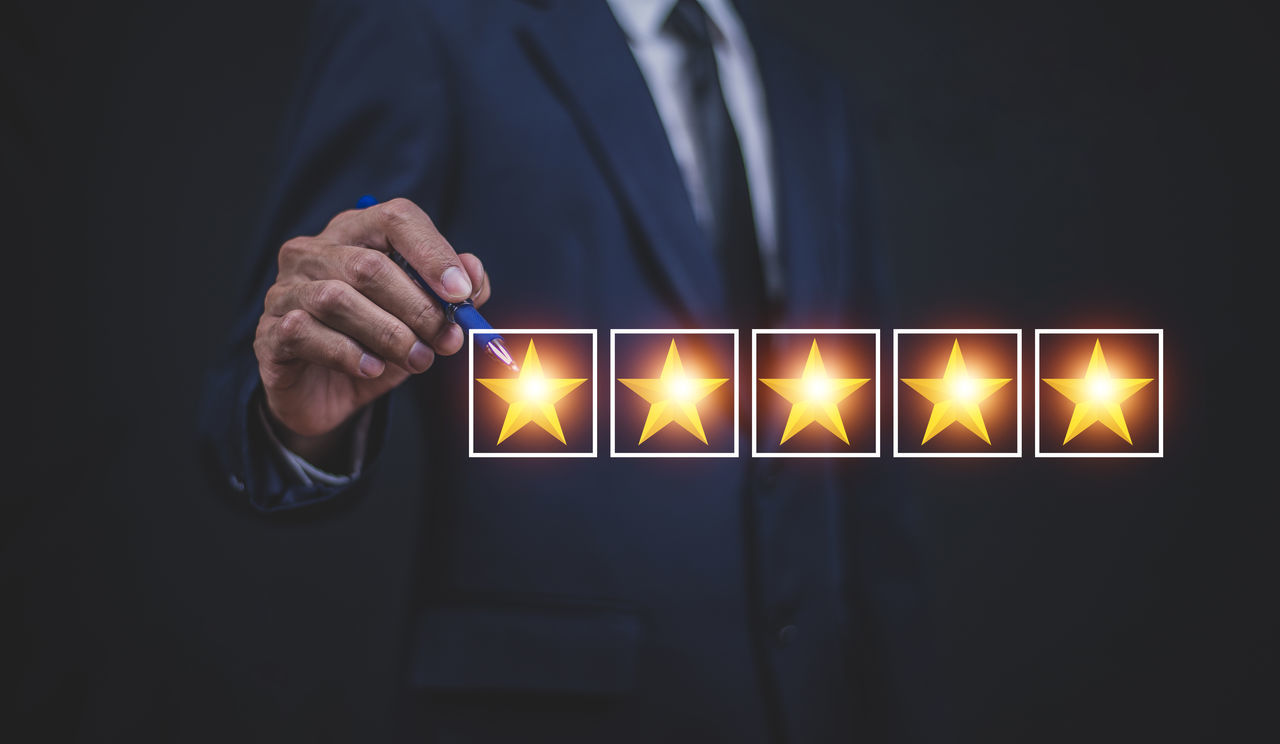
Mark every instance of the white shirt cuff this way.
pixel 309 475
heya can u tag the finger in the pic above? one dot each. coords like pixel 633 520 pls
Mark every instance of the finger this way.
pixel 401 226
pixel 479 278
pixel 449 341
pixel 298 336
pixel 475 272
pixel 375 276
pixel 339 306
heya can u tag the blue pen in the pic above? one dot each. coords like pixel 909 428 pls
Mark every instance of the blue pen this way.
pixel 463 313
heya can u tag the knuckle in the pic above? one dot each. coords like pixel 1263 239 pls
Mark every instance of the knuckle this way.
pixel 329 295
pixel 393 336
pixel 367 268
pixel 426 316
pixel 340 217
pixel 273 298
pixel 399 209
pixel 292 328
pixel 401 212
pixel 337 352
pixel 268 343
pixel 292 249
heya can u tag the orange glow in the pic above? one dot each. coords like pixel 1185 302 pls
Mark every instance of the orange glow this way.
pixel 1097 396
pixel 673 397
pixel 814 397
pixel 956 397
pixel 532 397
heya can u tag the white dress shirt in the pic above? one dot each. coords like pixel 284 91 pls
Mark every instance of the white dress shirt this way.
pixel 660 56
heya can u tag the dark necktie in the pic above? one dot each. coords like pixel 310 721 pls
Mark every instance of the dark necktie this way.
pixel 732 231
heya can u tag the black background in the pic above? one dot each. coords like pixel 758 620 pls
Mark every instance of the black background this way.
pixel 1039 164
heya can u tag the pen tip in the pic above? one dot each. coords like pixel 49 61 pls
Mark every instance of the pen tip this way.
pixel 498 350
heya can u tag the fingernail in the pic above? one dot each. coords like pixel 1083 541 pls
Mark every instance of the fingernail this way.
pixel 456 282
pixel 370 366
pixel 420 356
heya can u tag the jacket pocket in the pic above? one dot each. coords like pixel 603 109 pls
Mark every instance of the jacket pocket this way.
pixel 581 650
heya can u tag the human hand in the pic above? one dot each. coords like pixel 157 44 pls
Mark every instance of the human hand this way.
pixel 343 324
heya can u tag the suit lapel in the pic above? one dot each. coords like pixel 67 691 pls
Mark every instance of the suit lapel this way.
pixel 583 54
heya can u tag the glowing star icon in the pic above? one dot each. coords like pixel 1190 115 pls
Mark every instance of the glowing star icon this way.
pixel 956 396
pixel 532 397
pixel 814 397
pixel 1098 396
pixel 673 397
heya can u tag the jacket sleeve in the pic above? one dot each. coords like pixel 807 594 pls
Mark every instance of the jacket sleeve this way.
pixel 371 114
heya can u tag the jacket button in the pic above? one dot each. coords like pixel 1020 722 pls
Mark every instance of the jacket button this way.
pixel 787 635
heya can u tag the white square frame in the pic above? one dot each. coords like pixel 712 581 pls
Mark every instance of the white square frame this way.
pixel 613 387
pixel 1159 334
pixel 755 420
pixel 471 390
pixel 897 389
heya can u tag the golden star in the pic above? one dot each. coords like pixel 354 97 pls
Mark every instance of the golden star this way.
pixel 1098 396
pixel 956 396
pixel 673 397
pixel 813 397
pixel 532 397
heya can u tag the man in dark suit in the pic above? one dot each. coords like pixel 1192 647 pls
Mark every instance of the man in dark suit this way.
pixel 617 165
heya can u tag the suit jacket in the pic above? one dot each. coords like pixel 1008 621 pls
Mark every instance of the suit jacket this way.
pixel 603 599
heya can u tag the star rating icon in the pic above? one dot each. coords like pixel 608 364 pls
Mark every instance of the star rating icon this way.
pixel 971 406
pixel 1097 396
pixel 531 397
pixel 1099 399
pixel 814 397
pixel 1100 392
pixel 956 396
pixel 673 397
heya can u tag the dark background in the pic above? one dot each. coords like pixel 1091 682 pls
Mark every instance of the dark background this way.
pixel 1040 164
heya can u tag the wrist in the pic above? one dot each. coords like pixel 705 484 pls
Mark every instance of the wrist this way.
pixel 330 451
